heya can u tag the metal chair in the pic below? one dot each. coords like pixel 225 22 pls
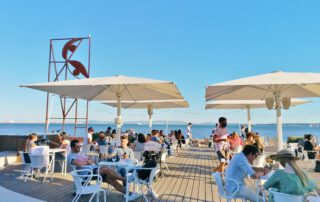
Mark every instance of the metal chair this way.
pixel 39 162
pixel 311 162
pixel 25 160
pixel 83 186
pixel 103 150
pixel 280 197
pixel 221 189
pixel 260 161
pixel 163 159
pixel 148 182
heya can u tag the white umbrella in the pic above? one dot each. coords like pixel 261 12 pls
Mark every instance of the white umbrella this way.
pixel 278 87
pixel 245 104
pixel 115 88
pixel 150 105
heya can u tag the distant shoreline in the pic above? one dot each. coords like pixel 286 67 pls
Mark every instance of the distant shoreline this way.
pixel 164 123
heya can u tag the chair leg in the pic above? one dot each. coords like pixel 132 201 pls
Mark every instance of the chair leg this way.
pixel 104 195
pixel 76 198
pixel 93 196
pixel 165 164
pixel 45 175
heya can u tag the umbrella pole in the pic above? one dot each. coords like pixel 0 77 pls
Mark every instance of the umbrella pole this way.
pixel 150 112
pixel 279 120
pixel 118 120
pixel 279 128
pixel 249 119
pixel 150 122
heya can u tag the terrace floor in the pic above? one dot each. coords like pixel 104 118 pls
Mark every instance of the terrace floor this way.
pixel 189 179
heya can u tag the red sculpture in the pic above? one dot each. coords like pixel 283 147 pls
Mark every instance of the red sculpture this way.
pixel 79 67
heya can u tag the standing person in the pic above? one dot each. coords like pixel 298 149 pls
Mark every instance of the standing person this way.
pixel 239 169
pixel 243 132
pixel 220 138
pixel 88 140
pixel 189 134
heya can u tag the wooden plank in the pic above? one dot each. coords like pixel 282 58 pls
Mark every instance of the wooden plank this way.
pixel 161 187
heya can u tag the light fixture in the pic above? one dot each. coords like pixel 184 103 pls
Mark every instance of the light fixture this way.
pixel 269 103
pixel 286 102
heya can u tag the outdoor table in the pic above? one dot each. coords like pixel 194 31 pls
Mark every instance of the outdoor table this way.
pixel 53 153
pixel 123 163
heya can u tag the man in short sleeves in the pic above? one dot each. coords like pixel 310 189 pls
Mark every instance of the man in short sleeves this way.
pixel 238 169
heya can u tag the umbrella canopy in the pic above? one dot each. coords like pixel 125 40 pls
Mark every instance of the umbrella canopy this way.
pixel 276 87
pixel 109 88
pixel 115 88
pixel 246 104
pixel 287 84
pixel 150 105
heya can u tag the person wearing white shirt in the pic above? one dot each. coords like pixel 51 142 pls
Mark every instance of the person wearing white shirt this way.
pixel 88 140
pixel 189 134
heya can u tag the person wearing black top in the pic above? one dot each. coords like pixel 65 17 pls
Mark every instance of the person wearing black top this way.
pixel 309 146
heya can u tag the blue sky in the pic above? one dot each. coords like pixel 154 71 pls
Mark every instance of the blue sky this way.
pixel 194 43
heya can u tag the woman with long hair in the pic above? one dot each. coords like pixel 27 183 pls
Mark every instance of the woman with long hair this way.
pixel 291 179
pixel 30 143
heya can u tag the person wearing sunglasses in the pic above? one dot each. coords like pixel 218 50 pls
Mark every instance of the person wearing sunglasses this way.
pixel 239 168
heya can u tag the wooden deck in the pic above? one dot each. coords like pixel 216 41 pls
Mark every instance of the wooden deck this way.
pixel 189 179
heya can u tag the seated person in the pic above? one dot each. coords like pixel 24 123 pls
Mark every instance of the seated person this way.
pixel 155 136
pixel 101 140
pixel 250 139
pixel 64 144
pixel 124 152
pixel 139 144
pixel 82 162
pixel 291 179
pixel 309 145
pixel 234 140
pixel 239 168
pixel 30 143
pixel 259 143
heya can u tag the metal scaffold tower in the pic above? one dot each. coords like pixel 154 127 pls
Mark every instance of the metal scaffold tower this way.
pixel 75 52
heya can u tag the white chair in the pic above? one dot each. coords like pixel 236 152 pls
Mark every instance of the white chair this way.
pixel 134 178
pixel 260 161
pixel 311 163
pixel 280 197
pixel 163 159
pixel 25 160
pixel 83 186
pixel 185 146
pixel 92 154
pixel 138 157
pixel 103 150
pixel 62 160
pixel 39 162
pixel 237 149
pixel 221 189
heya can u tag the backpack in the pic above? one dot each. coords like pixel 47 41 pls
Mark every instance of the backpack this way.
pixel 151 159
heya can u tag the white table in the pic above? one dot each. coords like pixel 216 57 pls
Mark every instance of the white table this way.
pixel 53 153
pixel 123 163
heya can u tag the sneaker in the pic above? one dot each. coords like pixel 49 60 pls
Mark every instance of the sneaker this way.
pixel 134 196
